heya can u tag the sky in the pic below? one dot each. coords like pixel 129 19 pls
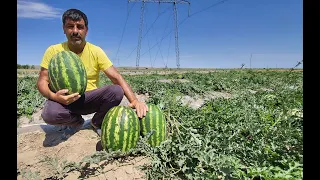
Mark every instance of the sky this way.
pixel 211 33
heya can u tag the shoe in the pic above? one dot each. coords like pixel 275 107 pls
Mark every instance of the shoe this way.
pixel 95 128
pixel 60 128
pixel 87 125
pixel 69 131
pixel 98 132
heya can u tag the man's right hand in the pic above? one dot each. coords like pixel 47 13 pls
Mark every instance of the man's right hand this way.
pixel 62 98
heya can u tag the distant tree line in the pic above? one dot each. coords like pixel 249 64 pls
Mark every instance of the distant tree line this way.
pixel 26 66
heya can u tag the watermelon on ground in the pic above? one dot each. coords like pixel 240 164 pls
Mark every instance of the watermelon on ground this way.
pixel 120 129
pixel 66 71
pixel 154 120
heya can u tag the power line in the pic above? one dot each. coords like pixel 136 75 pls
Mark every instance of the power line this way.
pixel 197 12
pixel 155 21
pixel 128 13
pixel 148 30
pixel 148 41
pixel 215 4
pixel 140 34
pixel 162 39
pixel 204 9
pixel 174 2
pixel 166 63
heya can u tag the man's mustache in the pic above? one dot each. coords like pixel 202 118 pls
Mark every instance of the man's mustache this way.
pixel 77 35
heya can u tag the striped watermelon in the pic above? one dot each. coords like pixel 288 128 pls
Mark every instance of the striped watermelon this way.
pixel 66 71
pixel 154 120
pixel 120 129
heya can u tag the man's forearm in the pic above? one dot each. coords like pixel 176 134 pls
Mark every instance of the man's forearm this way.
pixel 44 89
pixel 128 92
pixel 116 78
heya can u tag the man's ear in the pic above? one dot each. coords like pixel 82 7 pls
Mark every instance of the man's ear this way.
pixel 64 32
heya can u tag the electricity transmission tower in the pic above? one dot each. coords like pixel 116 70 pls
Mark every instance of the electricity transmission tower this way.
pixel 175 2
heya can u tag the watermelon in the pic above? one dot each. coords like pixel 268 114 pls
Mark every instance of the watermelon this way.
pixel 66 71
pixel 154 120
pixel 120 129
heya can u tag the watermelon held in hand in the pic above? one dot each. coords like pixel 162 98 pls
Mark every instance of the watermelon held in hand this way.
pixel 120 129
pixel 154 120
pixel 66 71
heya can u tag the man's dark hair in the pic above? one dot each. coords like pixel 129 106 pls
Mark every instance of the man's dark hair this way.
pixel 75 15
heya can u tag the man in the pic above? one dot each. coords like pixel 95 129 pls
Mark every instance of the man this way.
pixel 65 110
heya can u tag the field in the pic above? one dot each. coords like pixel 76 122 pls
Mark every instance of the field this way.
pixel 222 124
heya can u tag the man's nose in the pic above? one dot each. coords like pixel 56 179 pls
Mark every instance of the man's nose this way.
pixel 75 30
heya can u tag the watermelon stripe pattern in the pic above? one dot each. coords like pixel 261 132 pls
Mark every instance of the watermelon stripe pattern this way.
pixel 66 71
pixel 154 120
pixel 120 129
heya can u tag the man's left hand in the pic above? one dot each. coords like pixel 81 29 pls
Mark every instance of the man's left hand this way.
pixel 140 107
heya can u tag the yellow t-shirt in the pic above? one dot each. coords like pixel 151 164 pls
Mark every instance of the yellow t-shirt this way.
pixel 92 56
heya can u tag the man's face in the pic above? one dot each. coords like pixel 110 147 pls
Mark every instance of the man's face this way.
pixel 76 31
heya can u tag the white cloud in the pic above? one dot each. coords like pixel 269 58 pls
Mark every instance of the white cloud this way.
pixel 37 10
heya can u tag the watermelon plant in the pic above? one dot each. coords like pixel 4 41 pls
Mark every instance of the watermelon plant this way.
pixel 257 133
pixel 28 97
pixel 66 71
